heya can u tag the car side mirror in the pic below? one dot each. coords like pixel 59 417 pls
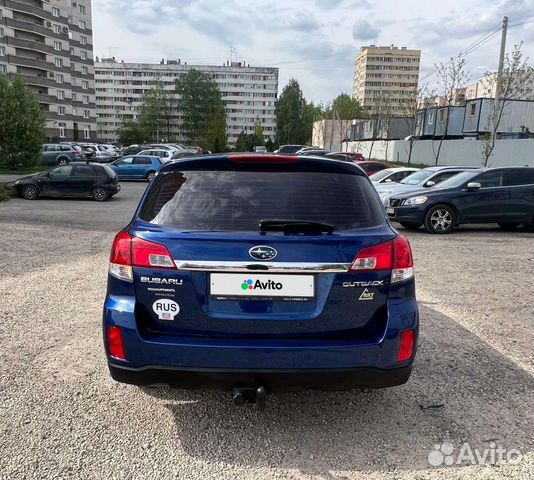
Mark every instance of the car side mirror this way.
pixel 388 180
pixel 430 183
pixel 473 186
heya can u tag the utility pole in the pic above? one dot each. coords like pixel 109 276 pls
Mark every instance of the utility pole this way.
pixel 332 129
pixel 501 63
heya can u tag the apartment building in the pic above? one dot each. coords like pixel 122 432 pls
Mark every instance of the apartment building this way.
pixel 249 94
pixel 522 86
pixel 48 43
pixel 386 76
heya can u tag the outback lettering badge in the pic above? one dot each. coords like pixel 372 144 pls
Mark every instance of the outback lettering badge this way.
pixel 376 283
pixel 162 281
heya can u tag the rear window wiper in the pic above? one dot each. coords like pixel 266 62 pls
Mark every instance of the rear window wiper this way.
pixel 295 226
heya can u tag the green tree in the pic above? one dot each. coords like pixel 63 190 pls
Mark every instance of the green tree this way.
pixel 21 124
pixel 258 133
pixel 150 121
pixel 290 124
pixel 312 113
pixel 216 139
pixel 202 108
pixel 131 132
pixel 269 145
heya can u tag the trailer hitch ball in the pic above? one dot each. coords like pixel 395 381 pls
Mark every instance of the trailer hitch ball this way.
pixel 249 395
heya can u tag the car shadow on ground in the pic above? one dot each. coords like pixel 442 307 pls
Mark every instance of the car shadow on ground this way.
pixel 468 229
pixel 450 397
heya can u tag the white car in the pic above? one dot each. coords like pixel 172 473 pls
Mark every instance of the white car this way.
pixel 391 175
pixel 164 155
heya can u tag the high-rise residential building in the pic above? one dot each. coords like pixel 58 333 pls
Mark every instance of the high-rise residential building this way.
pixel 49 44
pixel 521 86
pixel 249 94
pixel 386 76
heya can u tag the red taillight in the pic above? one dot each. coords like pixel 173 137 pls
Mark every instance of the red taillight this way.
pixel 149 254
pixel 263 158
pixel 407 344
pixel 393 255
pixel 377 257
pixel 116 348
pixel 129 251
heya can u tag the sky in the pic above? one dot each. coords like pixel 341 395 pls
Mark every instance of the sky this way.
pixel 313 41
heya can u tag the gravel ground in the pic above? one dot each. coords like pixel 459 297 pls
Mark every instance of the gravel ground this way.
pixel 61 415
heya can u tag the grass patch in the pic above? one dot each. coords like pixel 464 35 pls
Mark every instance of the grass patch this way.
pixel 6 192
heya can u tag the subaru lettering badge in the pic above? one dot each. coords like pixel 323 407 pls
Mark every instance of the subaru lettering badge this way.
pixel 262 252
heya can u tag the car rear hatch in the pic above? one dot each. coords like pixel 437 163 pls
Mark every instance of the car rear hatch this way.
pixel 262 250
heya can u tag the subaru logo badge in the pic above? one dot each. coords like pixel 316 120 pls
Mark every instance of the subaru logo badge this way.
pixel 262 252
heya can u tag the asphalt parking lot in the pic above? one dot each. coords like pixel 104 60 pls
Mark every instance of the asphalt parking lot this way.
pixel 61 415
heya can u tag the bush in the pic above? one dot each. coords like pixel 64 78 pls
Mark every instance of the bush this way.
pixel 6 192
pixel 21 125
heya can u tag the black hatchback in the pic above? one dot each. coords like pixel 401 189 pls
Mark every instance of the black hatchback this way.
pixel 75 180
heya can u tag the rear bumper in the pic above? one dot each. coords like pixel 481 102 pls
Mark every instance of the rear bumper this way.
pixel 277 380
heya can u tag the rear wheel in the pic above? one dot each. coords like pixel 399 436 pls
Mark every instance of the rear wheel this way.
pixel 440 219
pixel 410 226
pixel 150 176
pixel 100 194
pixel 30 192
pixel 62 161
pixel 509 226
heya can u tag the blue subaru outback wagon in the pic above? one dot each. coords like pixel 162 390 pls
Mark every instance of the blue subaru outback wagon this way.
pixel 261 272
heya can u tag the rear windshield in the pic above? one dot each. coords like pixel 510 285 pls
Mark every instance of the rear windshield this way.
pixel 239 200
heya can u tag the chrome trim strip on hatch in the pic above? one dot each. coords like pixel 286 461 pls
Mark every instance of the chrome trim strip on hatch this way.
pixel 271 267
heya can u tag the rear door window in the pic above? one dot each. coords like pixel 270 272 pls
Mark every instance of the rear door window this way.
pixel 513 178
pixel 239 200
pixel 490 179
pixel 142 161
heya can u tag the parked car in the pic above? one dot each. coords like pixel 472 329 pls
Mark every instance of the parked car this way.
pixel 260 149
pixel 488 195
pixel 313 152
pixel 235 273
pixel 371 167
pixel 75 180
pixel 97 153
pixel 134 167
pixel 392 175
pixel 289 149
pixel 59 154
pixel 135 149
pixel 164 155
pixel 358 157
pixel 424 178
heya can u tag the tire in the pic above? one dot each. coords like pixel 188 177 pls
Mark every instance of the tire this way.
pixel 410 226
pixel 150 176
pixel 30 192
pixel 509 227
pixel 440 219
pixel 100 194
pixel 63 161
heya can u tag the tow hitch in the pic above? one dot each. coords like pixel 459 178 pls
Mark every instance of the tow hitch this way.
pixel 249 395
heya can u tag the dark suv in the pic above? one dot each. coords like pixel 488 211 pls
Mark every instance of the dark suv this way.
pixel 488 195
pixel 60 154
pixel 260 272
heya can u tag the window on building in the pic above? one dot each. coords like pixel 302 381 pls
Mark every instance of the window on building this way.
pixel 57 29
pixel 85 84
pixel 83 40
pixel 83 54
pixel 82 25
pixel 60 95
pixel 57 45
pixel 472 109
pixel 62 130
pixel 85 99
pixel 61 110
pixel 74 96
pixel 85 70
pixel 86 114
pixel 56 12
pixel 3 69
pixel 59 78
pixel 58 62
pixel 74 110
pixel 82 9
pixel 1 13
pixel 2 51
pixel 87 133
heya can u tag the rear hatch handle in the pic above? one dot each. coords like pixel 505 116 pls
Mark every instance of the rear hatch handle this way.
pixel 295 226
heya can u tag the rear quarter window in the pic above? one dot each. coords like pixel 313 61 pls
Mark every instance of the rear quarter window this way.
pixel 239 200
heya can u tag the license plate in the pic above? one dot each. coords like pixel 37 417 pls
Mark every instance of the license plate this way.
pixel 390 211
pixel 228 286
